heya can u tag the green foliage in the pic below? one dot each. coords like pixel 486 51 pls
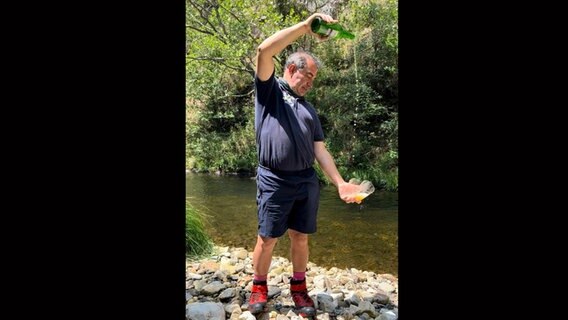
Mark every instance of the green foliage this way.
pixel 227 151
pixel 222 37
pixel 197 242
pixel 355 93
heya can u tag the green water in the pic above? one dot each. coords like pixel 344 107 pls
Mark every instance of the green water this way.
pixel 363 236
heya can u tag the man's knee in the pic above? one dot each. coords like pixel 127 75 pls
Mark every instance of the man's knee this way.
pixel 267 242
pixel 297 237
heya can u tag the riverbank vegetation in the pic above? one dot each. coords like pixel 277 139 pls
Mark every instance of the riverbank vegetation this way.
pixel 355 93
pixel 197 241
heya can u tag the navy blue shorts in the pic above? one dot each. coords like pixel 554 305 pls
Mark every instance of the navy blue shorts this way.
pixel 286 200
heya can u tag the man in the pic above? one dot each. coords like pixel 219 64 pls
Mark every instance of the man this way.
pixel 289 137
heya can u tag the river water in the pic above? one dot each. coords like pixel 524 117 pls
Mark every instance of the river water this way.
pixel 363 236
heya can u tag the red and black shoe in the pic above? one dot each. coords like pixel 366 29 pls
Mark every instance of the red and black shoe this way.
pixel 258 297
pixel 304 304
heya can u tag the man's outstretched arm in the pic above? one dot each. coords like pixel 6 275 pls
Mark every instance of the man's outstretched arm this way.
pixel 274 44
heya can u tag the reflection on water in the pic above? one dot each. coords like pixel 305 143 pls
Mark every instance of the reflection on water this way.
pixel 349 235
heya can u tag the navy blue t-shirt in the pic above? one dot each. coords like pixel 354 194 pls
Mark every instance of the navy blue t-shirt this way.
pixel 286 127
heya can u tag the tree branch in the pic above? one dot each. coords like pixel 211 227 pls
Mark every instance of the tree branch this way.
pixel 207 58
pixel 200 30
pixel 202 16
pixel 248 67
pixel 197 20
pixel 220 61
pixel 215 34
pixel 231 13
pixel 239 95
pixel 220 22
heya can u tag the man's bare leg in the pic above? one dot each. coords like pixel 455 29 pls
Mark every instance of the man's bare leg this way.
pixel 261 259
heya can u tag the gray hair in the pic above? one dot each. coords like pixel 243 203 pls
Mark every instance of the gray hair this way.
pixel 299 59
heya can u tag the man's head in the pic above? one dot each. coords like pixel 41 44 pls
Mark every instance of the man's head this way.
pixel 300 71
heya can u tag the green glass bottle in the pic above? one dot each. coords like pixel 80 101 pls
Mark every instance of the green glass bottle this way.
pixel 334 30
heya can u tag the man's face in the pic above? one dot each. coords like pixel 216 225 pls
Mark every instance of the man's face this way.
pixel 301 80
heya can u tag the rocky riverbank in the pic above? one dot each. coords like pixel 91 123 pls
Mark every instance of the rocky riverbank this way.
pixel 218 288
